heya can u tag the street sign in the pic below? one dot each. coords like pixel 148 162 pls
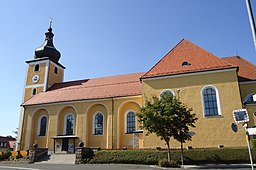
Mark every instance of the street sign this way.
pixel 241 116
pixel 251 131
pixel 254 98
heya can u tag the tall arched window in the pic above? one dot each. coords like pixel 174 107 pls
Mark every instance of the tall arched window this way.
pixel 69 122
pixel 98 124
pixel 165 92
pixel 43 123
pixel 130 122
pixel 211 104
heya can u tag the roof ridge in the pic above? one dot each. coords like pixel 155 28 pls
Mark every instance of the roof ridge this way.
pixel 101 85
pixel 99 78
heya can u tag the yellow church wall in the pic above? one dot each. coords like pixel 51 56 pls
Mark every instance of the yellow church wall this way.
pixel 94 140
pixel 29 92
pixel 40 73
pixel 246 89
pixel 112 137
pixel 212 130
pixel 35 138
pixel 126 139
pixel 55 78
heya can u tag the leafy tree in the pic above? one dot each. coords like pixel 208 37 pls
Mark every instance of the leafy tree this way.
pixel 167 117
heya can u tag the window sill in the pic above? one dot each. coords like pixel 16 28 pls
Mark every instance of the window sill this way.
pixel 214 116
pixel 97 134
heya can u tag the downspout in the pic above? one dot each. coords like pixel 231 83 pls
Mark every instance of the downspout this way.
pixel 112 122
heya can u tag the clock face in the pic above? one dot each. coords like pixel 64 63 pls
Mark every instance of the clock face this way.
pixel 35 78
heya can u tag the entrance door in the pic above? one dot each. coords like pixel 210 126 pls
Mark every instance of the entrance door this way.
pixel 64 145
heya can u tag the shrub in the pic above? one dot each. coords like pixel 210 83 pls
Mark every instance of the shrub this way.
pixel 253 144
pixel 170 164
pixel 5 155
pixel 153 157
pixel 87 155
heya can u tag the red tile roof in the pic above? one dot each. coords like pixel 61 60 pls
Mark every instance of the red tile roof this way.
pixel 185 51
pixel 247 71
pixel 97 88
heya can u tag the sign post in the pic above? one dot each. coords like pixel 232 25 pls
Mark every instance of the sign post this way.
pixel 241 116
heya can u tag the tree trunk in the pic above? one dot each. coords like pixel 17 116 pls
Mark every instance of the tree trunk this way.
pixel 169 151
pixel 182 154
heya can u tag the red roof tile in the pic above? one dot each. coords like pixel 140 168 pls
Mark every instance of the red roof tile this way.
pixel 185 51
pixel 247 71
pixel 98 88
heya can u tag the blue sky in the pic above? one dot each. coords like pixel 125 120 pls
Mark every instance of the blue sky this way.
pixel 109 37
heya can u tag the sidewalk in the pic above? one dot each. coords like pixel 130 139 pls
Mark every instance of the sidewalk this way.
pixel 218 166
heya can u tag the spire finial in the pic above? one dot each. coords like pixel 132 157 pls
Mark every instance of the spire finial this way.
pixel 50 28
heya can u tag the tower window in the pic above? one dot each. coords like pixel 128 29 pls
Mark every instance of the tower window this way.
pixel 37 67
pixel 55 70
pixel 34 92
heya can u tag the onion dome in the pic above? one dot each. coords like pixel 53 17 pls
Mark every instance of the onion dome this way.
pixel 47 49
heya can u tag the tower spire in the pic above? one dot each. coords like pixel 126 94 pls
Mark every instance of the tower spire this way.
pixel 47 49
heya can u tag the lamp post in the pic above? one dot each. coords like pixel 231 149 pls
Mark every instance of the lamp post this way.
pixel 252 22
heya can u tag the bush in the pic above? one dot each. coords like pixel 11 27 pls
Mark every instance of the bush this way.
pixel 87 155
pixel 5 155
pixel 170 164
pixel 253 144
pixel 153 157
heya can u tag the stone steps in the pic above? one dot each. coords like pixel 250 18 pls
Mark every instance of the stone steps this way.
pixel 58 159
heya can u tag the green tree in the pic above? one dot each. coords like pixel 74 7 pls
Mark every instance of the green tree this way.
pixel 167 117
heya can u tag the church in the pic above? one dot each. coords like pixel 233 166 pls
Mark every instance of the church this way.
pixel 101 112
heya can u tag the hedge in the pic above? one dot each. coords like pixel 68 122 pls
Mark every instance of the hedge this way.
pixel 152 157
pixel 5 155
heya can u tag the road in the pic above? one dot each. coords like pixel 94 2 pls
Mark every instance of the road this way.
pixel 101 167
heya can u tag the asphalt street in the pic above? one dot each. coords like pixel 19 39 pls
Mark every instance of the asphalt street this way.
pixel 110 167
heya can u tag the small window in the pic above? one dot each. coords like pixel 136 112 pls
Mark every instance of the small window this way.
pixel 165 92
pixel 34 92
pixel 249 99
pixel 98 124
pixel 55 70
pixel 130 122
pixel 5 144
pixel 37 67
pixel 1 144
pixel 186 63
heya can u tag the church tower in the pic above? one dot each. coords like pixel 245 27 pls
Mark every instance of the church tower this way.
pixel 44 70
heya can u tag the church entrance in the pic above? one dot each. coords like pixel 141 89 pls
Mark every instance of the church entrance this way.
pixel 64 144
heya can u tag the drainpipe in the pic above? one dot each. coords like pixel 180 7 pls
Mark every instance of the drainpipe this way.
pixel 112 122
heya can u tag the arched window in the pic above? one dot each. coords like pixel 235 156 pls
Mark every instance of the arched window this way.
pixel 98 124
pixel 210 99
pixel 165 92
pixel 37 67
pixel 249 99
pixel 43 123
pixel 69 124
pixel 55 70
pixel 34 92
pixel 130 122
